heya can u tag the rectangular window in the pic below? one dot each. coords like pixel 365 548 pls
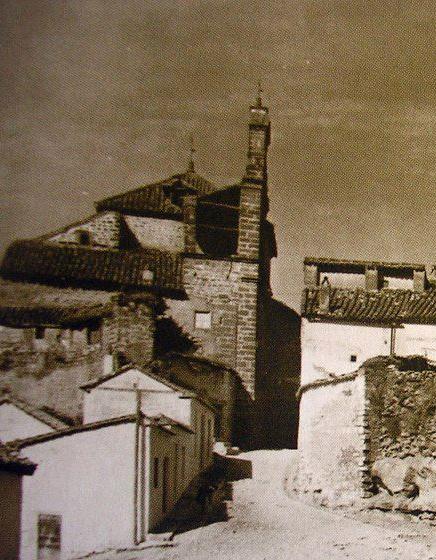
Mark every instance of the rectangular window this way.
pixel 156 472
pixel 353 358
pixel 39 333
pixel 203 320
pixel 49 536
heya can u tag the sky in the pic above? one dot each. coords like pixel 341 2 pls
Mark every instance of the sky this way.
pixel 99 97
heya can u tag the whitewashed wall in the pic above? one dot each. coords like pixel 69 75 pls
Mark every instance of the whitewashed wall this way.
pixel 327 347
pixel 88 479
pixel 17 424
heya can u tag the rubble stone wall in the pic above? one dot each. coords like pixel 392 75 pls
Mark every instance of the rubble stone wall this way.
pixel 402 409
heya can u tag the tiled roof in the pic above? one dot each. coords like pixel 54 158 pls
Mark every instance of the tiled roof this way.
pixel 29 305
pixel 10 461
pixel 359 266
pixel 87 266
pixel 126 419
pixel 147 372
pixel 158 199
pixel 381 307
pixel 37 413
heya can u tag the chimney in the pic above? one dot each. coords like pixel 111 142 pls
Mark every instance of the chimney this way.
pixel 373 278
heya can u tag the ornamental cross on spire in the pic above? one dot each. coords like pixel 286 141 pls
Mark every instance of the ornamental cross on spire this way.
pixel 191 168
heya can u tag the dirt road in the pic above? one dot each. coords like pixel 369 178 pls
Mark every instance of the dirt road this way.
pixel 265 523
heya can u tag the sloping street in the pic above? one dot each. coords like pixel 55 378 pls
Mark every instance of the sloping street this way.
pixel 264 522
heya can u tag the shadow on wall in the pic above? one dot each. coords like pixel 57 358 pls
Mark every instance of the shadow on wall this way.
pixel 279 378
pixel 206 500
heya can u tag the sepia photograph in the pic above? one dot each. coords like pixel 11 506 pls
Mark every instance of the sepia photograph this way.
pixel 217 279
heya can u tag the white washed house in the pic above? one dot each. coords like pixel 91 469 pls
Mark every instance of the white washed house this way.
pixel 109 482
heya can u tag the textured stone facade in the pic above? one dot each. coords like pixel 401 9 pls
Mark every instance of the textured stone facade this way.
pixel 103 229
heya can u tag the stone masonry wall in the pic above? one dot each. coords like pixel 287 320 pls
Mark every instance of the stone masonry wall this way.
pixel 104 230
pixel 212 286
pixel 157 233
pixel 130 330
pixel 402 408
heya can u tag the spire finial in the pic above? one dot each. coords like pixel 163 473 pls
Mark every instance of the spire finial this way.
pixel 191 168
pixel 259 94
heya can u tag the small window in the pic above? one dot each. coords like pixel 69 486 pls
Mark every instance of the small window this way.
pixel 83 237
pixel 156 472
pixel 203 320
pixel 353 358
pixel 93 333
pixel 39 333
pixel 49 536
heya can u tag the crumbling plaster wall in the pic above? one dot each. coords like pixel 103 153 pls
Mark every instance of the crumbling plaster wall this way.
pixel 331 441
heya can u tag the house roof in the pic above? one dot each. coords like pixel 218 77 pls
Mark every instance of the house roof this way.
pixel 65 264
pixel 41 415
pixel 192 358
pixel 379 307
pixel 164 420
pixel 185 392
pixel 128 418
pixel 27 305
pixel 99 380
pixel 10 461
pixel 158 199
pixel 41 438
pixel 359 266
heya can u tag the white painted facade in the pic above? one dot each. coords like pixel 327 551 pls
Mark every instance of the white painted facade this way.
pixel 88 478
pixel 332 349
pixel 117 397
pixel 17 424
pixel 81 479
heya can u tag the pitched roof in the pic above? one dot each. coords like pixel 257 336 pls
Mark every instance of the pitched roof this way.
pixel 10 461
pixel 192 358
pixel 99 380
pixel 358 266
pixel 41 415
pixel 379 307
pixel 41 438
pixel 27 305
pixel 158 199
pixel 66 264
pixel 185 392
pixel 126 419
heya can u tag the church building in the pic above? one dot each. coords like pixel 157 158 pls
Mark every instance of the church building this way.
pixel 178 266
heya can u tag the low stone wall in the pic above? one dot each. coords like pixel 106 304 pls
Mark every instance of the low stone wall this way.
pixel 401 408
pixel 401 404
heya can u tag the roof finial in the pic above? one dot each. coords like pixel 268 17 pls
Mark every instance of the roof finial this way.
pixel 191 168
pixel 259 94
